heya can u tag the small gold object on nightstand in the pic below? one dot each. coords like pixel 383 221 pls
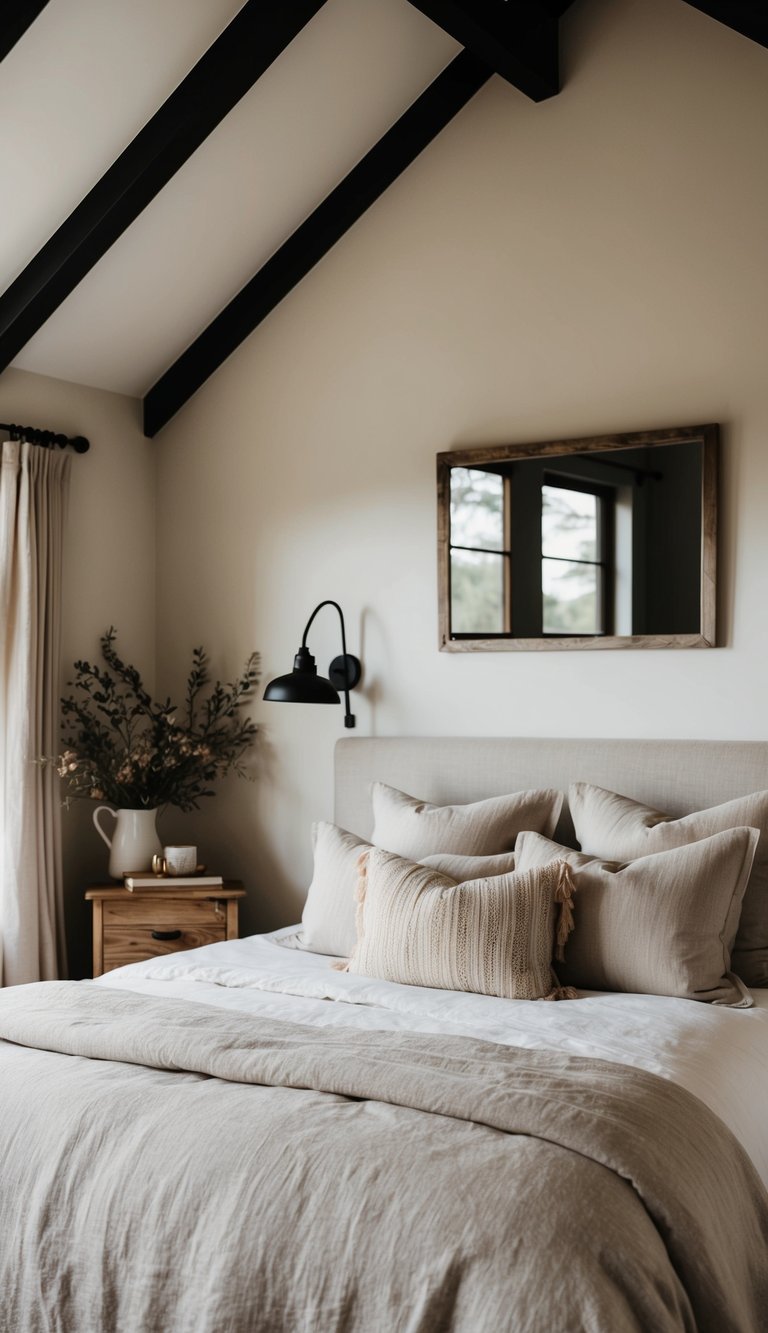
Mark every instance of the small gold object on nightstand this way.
pixel 129 926
pixel 161 868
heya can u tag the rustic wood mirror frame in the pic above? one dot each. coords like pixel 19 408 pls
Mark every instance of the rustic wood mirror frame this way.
pixel 706 436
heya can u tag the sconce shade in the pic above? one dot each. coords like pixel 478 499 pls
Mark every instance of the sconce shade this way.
pixel 302 685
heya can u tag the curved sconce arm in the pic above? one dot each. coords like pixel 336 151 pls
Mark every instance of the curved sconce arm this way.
pixel 303 685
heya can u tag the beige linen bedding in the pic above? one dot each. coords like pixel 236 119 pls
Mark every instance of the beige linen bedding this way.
pixel 174 1167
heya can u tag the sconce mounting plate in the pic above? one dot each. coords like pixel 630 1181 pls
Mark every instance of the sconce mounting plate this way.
pixel 345 671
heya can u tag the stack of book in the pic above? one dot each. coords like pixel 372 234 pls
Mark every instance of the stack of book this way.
pixel 147 880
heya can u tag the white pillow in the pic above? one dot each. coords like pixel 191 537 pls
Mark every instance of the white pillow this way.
pixel 415 829
pixel 328 920
pixel 489 936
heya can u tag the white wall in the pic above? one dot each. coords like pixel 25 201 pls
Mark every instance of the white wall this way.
pixel 108 573
pixel 593 263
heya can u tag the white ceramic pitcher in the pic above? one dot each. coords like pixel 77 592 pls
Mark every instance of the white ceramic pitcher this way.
pixel 134 840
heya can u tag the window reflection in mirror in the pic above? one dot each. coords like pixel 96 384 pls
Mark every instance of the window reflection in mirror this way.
pixel 591 541
pixel 572 574
pixel 479 576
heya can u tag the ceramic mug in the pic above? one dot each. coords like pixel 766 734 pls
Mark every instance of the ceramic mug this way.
pixel 180 860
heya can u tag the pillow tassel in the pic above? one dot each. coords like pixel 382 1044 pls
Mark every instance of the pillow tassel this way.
pixel 561 992
pixel 362 866
pixel 564 892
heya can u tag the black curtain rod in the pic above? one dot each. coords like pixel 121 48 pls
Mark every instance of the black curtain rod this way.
pixel 47 438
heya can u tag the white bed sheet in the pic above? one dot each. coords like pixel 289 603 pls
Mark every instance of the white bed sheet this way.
pixel 719 1054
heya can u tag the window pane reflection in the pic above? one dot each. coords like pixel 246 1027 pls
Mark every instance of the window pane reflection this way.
pixel 568 523
pixel 477 508
pixel 570 603
pixel 477 593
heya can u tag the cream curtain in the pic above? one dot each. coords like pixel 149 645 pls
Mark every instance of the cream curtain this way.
pixel 33 491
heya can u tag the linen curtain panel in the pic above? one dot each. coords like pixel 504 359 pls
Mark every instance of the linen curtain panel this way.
pixel 33 492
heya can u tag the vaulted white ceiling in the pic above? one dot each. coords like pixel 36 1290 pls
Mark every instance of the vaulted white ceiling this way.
pixel 86 77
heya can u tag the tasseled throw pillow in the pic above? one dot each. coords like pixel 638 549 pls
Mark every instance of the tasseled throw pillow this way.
pixel 492 936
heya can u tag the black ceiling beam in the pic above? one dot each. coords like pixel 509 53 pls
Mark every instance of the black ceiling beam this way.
pixel 749 17
pixel 518 40
pixel 401 144
pixel 246 48
pixel 15 18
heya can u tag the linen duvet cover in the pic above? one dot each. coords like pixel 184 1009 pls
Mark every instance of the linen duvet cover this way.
pixel 242 1138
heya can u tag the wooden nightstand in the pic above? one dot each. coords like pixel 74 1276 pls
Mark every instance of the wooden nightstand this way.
pixel 131 926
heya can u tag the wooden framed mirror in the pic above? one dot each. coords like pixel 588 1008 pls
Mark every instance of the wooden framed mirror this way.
pixel 603 542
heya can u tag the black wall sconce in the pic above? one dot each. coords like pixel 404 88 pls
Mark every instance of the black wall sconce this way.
pixel 304 686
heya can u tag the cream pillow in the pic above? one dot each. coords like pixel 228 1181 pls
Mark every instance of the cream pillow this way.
pixel 462 868
pixel 490 936
pixel 328 920
pixel 661 925
pixel 621 829
pixel 416 829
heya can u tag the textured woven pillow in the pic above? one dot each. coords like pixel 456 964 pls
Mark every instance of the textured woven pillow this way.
pixel 416 829
pixel 661 925
pixel 491 936
pixel 621 829
pixel 328 920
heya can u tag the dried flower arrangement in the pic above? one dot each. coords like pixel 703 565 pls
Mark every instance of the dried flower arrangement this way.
pixel 123 747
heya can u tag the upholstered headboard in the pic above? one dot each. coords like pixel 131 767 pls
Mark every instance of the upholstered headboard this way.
pixel 675 776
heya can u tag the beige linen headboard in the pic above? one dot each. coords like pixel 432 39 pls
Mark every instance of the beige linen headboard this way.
pixel 675 776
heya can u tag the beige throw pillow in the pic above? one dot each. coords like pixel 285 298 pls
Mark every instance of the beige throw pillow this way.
pixel 660 925
pixel 462 868
pixel 490 936
pixel 621 829
pixel 328 920
pixel 416 829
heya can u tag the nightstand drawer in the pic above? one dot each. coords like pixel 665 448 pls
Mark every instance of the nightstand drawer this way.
pixel 164 912
pixel 132 944
pixel 125 924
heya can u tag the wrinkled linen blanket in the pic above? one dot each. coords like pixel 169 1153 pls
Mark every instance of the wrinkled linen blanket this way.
pixel 171 1167
pixel 718 1054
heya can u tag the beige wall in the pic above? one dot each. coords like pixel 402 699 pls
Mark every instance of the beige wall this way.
pixel 593 263
pixel 109 569
pixel 597 262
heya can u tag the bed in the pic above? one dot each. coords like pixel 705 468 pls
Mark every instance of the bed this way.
pixel 246 1137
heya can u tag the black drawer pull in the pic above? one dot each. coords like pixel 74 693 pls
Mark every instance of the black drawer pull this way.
pixel 166 934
